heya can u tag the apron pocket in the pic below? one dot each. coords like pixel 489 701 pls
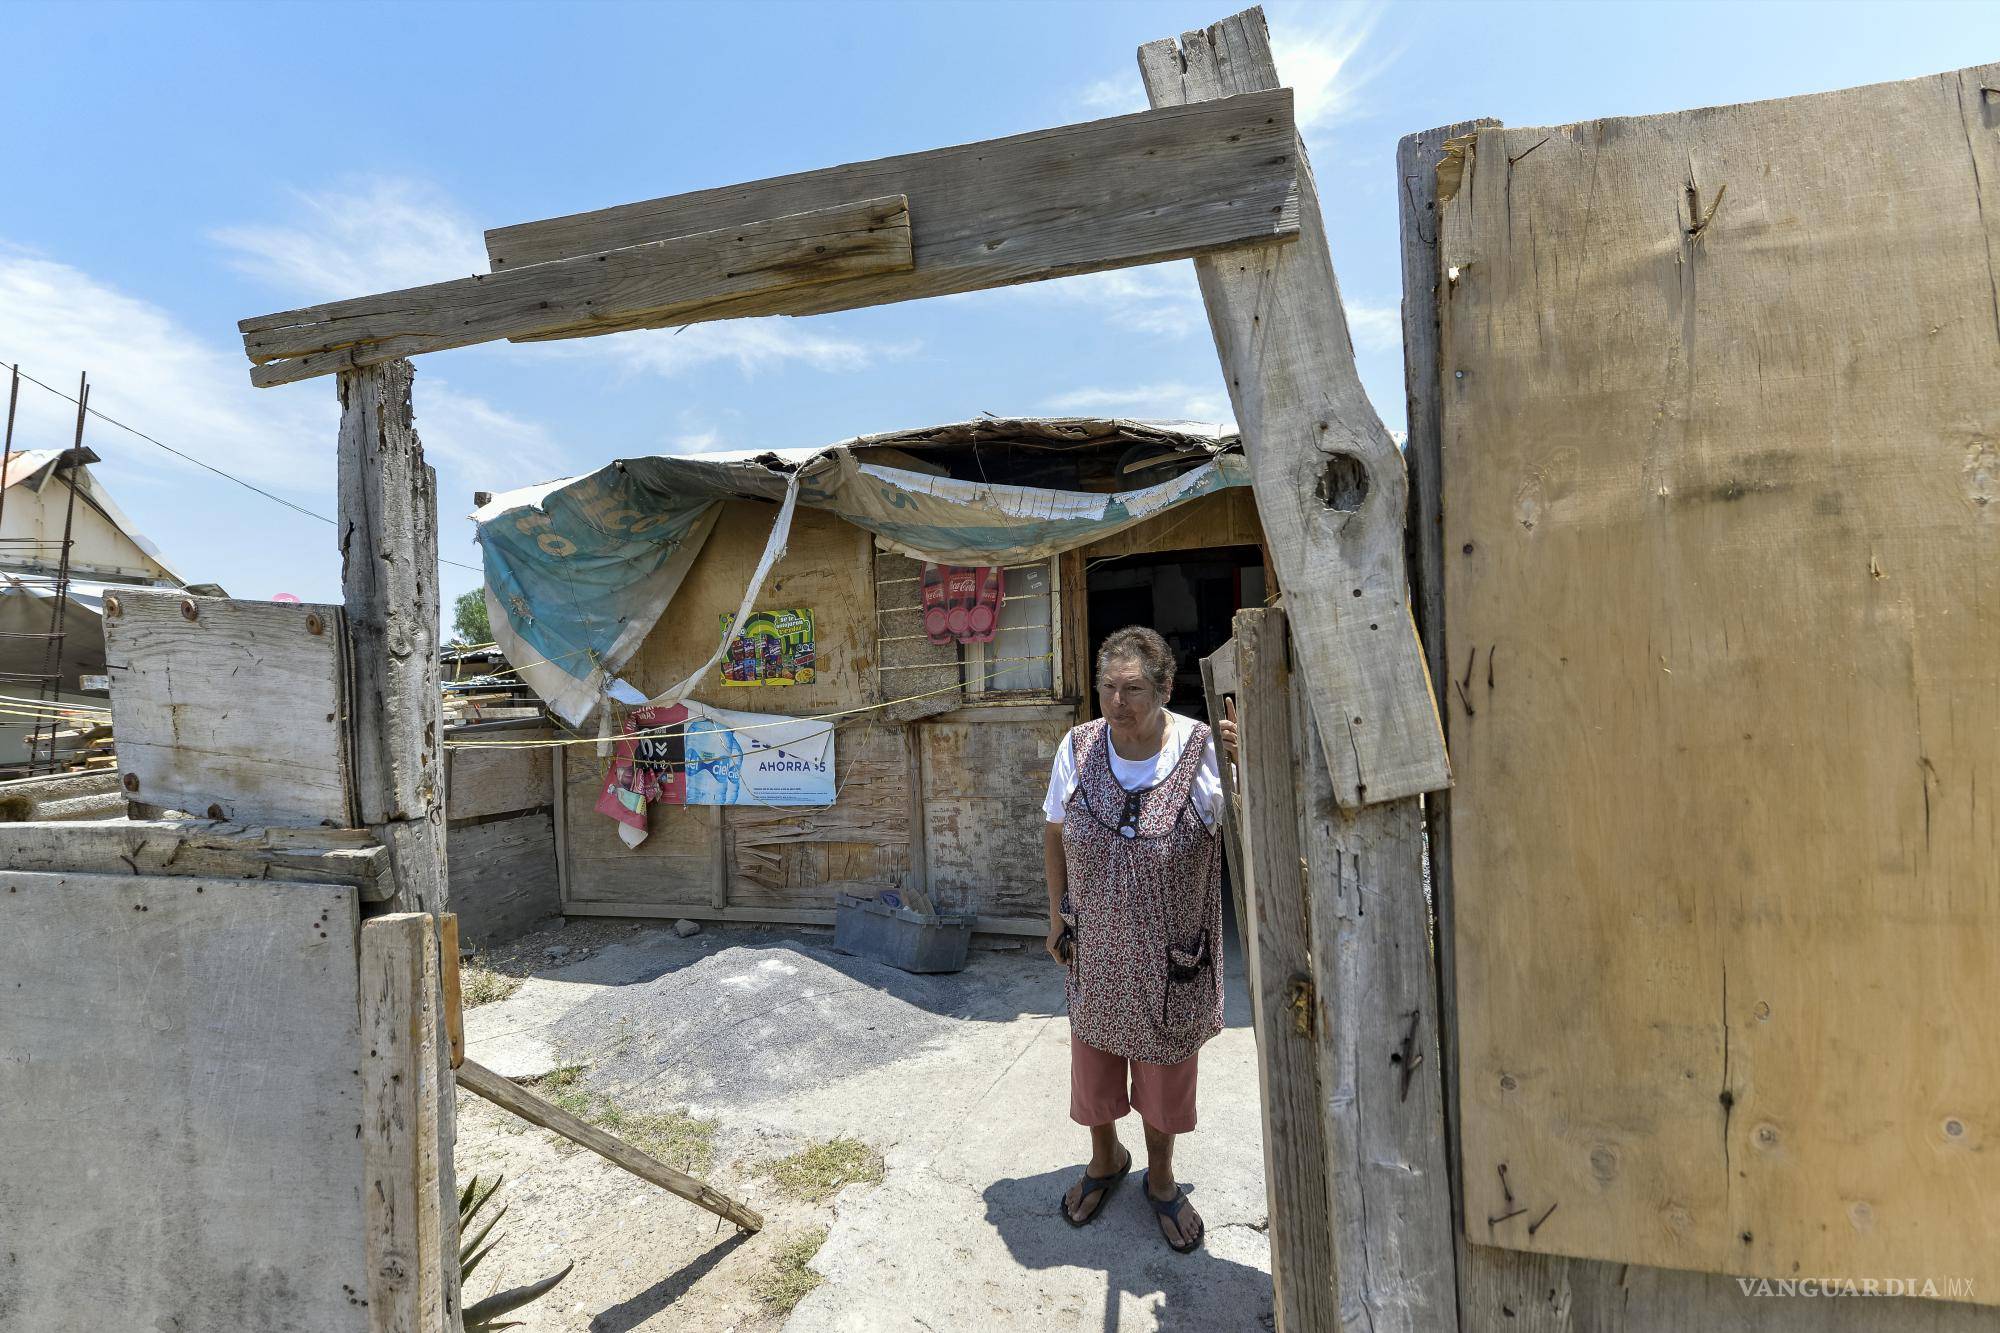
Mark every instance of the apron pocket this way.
pixel 1190 990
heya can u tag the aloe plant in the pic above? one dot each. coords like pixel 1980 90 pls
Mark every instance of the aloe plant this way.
pixel 482 1316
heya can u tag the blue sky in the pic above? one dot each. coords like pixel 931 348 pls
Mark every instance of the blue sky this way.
pixel 168 169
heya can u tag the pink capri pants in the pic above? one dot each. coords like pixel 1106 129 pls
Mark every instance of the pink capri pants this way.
pixel 1163 1095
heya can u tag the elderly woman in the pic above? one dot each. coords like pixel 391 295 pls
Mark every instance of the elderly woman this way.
pixel 1135 914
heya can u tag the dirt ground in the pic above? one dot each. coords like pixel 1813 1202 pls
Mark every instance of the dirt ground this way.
pixel 958 1082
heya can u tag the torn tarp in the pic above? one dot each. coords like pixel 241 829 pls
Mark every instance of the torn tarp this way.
pixel 579 571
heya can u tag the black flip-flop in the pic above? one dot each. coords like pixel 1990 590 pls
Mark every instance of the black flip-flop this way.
pixel 1093 1185
pixel 1171 1209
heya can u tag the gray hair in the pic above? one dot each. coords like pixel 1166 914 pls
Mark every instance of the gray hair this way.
pixel 1145 648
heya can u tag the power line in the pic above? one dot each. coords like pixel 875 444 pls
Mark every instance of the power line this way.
pixel 228 476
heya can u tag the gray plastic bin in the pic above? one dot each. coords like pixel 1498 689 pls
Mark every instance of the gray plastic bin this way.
pixel 899 937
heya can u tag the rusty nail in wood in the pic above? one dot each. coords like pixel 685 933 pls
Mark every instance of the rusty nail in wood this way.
pixel 1496 1221
pixel 314 625
pixel 189 611
pixel 1505 1188
pixel 131 782
pixel 215 812
pixel 1536 1225
pixel 111 608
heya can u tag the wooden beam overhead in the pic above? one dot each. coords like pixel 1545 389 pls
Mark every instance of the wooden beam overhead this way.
pixel 1139 189
pixel 660 282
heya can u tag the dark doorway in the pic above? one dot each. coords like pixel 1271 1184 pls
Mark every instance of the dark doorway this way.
pixel 1188 596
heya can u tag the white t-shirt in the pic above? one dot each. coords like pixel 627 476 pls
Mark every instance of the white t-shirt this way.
pixel 1138 774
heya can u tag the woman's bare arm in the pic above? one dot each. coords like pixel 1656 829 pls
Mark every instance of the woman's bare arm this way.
pixel 1056 867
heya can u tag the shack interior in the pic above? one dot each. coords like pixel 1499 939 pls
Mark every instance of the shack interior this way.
pixel 942 753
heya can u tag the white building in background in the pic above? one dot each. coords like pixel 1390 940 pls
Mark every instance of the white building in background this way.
pixel 106 551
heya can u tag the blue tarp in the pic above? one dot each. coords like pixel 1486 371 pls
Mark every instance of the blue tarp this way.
pixel 579 571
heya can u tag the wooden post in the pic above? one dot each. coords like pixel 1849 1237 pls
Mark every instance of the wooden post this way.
pixel 1218 684
pixel 1331 491
pixel 389 563
pixel 1380 1095
pixel 1281 988
pixel 1329 481
pixel 412 1252
pixel 389 576
pixel 1417 158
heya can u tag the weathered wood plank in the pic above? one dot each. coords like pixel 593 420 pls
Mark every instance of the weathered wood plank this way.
pixel 1381 1098
pixel 503 874
pixel 1727 1004
pixel 1217 668
pixel 100 805
pixel 660 282
pixel 1417 158
pixel 389 578
pixel 451 1002
pixel 1507 1291
pixel 1135 189
pixel 489 780
pixel 201 849
pixel 400 1140
pixel 1329 481
pixel 983 787
pixel 511 1096
pixel 1281 984
pixel 388 536
pixel 26 798
pixel 179 1097
pixel 234 709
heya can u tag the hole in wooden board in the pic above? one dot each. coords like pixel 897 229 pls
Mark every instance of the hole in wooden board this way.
pixel 1343 483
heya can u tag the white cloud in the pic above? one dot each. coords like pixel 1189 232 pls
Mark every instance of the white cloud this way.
pixel 363 236
pixel 493 448
pixel 154 374
pixel 1146 402
pixel 1375 328
pixel 1317 51
pixel 751 345
pixel 1160 299
pixel 1115 97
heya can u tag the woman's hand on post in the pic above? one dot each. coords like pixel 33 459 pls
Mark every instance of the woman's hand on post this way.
pixel 1225 730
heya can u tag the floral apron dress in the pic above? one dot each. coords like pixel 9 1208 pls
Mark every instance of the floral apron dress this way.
pixel 1144 903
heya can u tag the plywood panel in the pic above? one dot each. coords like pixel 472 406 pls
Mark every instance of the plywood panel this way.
pixel 677 863
pixel 233 709
pixel 983 789
pixel 486 781
pixel 799 857
pixel 503 873
pixel 1226 518
pixel 1720 527
pixel 179 1077
pixel 828 569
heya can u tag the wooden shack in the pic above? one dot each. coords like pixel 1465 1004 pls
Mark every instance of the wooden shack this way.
pixel 942 753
